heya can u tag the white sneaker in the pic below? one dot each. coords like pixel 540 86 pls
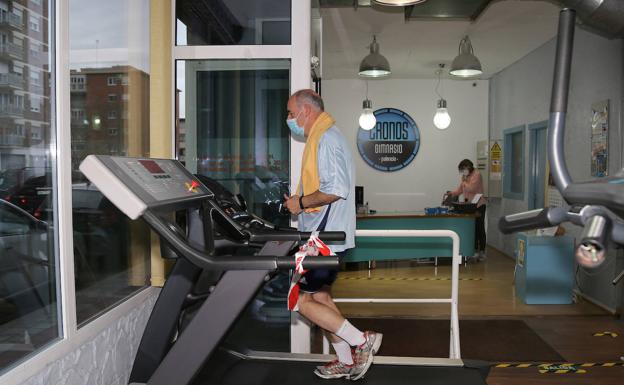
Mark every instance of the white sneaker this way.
pixel 363 357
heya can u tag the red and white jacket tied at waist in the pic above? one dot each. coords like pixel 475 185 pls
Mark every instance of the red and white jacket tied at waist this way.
pixel 314 247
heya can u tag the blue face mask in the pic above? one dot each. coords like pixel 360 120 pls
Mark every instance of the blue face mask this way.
pixel 295 129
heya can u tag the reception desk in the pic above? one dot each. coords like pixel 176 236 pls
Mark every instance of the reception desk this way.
pixel 389 248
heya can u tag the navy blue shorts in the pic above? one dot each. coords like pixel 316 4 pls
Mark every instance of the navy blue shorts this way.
pixel 315 279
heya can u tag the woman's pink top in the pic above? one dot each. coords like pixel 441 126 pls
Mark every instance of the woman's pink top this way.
pixel 471 186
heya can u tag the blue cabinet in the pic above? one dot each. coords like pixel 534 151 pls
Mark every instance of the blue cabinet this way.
pixel 544 269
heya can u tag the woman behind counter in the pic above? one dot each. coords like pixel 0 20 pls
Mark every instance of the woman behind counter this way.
pixel 471 185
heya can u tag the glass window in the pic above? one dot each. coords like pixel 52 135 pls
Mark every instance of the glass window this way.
pixel 513 158
pixel 245 148
pixel 35 77
pixel 112 97
pixel 35 104
pixel 29 306
pixel 34 23
pixel 233 22
pixel 111 252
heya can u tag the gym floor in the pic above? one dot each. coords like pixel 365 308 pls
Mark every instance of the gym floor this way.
pixel 487 293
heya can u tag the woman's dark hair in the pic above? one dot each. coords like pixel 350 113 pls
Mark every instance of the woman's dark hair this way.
pixel 466 163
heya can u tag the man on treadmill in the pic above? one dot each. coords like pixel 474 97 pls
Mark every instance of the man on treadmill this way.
pixel 325 201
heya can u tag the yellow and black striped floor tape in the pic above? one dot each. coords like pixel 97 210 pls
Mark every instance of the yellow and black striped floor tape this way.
pixel 604 334
pixel 560 368
pixel 405 279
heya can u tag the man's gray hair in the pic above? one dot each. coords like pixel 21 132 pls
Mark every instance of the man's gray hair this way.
pixel 309 97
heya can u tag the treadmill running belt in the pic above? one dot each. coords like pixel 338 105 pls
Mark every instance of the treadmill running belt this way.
pixel 226 369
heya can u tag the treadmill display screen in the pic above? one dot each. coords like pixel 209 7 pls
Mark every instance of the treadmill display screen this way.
pixel 151 166
pixel 159 179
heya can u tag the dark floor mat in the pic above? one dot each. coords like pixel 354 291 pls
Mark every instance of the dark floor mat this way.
pixel 489 340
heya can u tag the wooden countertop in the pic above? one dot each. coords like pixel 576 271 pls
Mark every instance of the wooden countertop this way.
pixel 412 214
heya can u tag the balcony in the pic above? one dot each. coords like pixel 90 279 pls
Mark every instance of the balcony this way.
pixel 11 140
pixel 78 87
pixel 13 50
pixel 12 80
pixel 11 20
pixel 10 110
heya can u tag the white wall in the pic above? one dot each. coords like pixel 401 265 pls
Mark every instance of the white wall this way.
pixel 104 359
pixel 434 170
pixel 520 94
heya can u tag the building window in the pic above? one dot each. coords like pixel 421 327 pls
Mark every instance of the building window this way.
pixel 35 77
pixel 30 306
pixel 513 163
pixel 18 12
pixel 124 80
pixel 77 114
pixel 125 97
pixel 35 104
pixel 33 23
pixel 101 280
pixel 77 83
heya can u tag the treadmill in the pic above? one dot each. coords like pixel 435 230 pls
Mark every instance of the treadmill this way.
pixel 597 205
pixel 216 227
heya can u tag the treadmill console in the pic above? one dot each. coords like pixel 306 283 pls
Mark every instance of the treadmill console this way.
pixel 137 184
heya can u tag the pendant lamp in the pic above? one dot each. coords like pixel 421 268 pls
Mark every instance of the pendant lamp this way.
pixel 466 63
pixel 374 65
pixel 399 3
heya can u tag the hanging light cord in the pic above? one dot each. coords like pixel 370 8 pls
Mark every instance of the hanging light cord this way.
pixel 439 72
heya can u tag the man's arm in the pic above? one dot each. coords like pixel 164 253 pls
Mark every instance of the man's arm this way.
pixel 316 199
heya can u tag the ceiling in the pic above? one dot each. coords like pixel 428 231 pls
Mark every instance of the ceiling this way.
pixel 504 32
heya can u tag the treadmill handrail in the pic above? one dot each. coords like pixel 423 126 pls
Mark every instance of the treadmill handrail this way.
pixel 231 262
pixel 559 99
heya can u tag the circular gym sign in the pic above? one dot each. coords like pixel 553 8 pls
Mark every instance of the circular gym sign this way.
pixel 392 144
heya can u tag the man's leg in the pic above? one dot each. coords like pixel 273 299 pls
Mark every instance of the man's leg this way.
pixel 323 296
pixel 320 308
pixel 319 313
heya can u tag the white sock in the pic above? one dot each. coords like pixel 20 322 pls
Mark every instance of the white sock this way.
pixel 351 334
pixel 343 351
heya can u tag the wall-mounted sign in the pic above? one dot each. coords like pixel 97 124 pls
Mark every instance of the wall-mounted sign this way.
pixel 600 139
pixel 392 144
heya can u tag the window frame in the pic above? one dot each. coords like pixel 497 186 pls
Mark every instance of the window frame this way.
pixel 34 21
pixel 508 157
pixel 70 335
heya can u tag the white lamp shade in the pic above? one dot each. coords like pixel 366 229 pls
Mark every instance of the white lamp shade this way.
pixel 442 119
pixel 399 3
pixel 367 119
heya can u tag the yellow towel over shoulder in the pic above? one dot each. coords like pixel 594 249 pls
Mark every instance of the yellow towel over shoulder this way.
pixel 310 180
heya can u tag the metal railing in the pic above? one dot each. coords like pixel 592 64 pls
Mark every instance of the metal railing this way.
pixel 454 350
pixel 11 79
pixel 11 19
pixel 12 49
pixel 11 110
